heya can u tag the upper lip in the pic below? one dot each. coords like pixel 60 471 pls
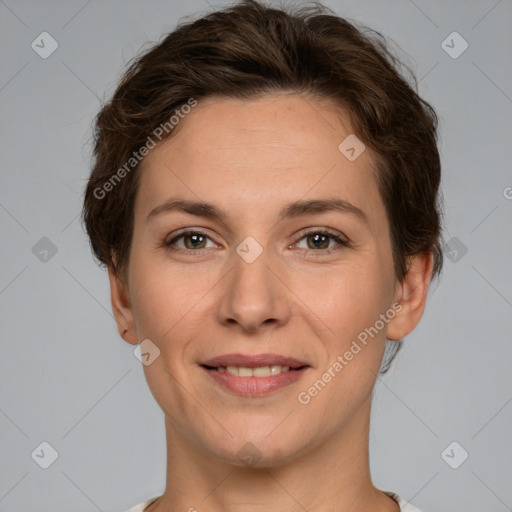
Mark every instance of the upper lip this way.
pixel 253 361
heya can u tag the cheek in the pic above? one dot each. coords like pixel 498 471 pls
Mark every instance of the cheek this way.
pixel 155 309
pixel 172 305
pixel 347 298
pixel 166 305
pixel 351 305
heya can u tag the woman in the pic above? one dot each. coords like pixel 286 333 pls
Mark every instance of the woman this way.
pixel 265 198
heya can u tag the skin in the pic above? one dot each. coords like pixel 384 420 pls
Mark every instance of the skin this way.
pixel 250 158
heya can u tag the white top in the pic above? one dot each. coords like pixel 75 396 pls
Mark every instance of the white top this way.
pixel 404 505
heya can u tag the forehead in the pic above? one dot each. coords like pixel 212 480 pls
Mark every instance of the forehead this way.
pixel 256 154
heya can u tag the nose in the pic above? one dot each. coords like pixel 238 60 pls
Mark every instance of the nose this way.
pixel 253 297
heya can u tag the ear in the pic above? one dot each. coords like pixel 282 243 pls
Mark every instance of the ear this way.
pixel 121 307
pixel 411 293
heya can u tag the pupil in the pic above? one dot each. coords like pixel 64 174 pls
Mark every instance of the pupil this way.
pixel 318 237
pixel 193 239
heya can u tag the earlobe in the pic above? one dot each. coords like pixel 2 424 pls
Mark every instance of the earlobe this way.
pixel 121 307
pixel 412 295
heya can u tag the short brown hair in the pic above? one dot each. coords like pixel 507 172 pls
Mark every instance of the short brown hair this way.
pixel 250 49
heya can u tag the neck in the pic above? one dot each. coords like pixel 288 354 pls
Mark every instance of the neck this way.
pixel 332 476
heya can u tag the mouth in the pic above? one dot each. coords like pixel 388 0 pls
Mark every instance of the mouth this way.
pixel 254 375
pixel 258 371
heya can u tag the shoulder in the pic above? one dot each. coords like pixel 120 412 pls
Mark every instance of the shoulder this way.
pixel 141 506
pixel 405 506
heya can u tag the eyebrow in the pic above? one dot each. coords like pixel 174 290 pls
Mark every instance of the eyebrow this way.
pixel 291 210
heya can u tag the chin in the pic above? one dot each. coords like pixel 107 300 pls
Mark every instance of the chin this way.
pixel 259 450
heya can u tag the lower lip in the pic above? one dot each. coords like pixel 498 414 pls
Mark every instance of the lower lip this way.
pixel 256 386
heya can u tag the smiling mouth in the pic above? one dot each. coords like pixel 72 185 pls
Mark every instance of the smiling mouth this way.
pixel 259 371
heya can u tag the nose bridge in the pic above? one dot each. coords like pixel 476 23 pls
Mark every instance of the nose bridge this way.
pixel 252 295
pixel 251 272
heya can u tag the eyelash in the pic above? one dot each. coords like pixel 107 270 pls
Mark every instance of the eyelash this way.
pixel 342 243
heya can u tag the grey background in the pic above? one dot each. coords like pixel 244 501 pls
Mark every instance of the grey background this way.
pixel 68 379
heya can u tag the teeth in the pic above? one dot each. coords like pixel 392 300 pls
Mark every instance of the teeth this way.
pixel 244 372
pixel 260 371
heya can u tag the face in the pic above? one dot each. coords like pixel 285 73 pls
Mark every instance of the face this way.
pixel 287 265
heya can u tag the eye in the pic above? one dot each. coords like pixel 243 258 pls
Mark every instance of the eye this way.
pixel 322 241
pixel 191 240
